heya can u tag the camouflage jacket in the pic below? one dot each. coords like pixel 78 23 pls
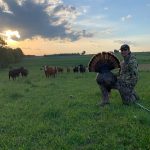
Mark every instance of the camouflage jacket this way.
pixel 129 70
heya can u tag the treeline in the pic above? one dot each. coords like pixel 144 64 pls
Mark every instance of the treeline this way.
pixel 63 54
pixel 9 55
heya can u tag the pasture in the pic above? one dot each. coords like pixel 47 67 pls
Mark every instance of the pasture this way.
pixel 37 113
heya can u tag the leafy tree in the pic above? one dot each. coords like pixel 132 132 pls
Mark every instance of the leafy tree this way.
pixel 2 42
pixel 9 55
pixel 83 53
pixel 18 54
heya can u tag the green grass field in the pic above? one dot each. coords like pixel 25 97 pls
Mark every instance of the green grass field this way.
pixel 62 114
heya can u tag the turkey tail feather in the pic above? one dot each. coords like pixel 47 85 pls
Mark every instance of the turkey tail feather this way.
pixel 104 61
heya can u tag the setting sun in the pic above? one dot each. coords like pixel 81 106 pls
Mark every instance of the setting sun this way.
pixel 11 42
pixel 11 36
pixel 65 26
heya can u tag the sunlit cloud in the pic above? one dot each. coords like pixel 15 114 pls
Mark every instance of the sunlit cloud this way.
pixel 107 30
pixel 61 26
pixel 50 19
pixel 20 2
pixel 98 25
pixel 84 9
pixel 125 18
pixel 125 42
pixel 12 34
pixel 137 43
pixel 11 38
pixel 40 46
pixel 95 21
pixel 4 7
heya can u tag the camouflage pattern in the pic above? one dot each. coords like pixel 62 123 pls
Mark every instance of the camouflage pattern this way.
pixel 125 83
pixel 129 70
pixel 128 79
pixel 127 92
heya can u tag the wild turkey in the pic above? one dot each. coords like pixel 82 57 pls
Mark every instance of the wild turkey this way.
pixel 103 63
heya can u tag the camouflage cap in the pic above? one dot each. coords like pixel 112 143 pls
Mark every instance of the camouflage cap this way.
pixel 125 47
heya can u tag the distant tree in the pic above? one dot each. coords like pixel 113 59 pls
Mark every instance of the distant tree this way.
pixel 83 53
pixel 18 54
pixel 2 42
pixel 9 56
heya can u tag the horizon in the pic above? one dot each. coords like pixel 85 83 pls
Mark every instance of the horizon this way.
pixel 61 54
pixel 71 26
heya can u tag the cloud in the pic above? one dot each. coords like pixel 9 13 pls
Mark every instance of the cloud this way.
pixel 50 19
pixel 93 22
pixel 125 42
pixel 20 2
pixel 107 30
pixel 4 7
pixel 125 18
pixel 12 34
pixel 106 8
pixel 84 9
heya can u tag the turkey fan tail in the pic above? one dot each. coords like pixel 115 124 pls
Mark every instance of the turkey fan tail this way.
pixel 96 58
pixel 102 62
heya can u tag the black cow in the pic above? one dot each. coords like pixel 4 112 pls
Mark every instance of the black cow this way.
pixel 60 70
pixel 14 73
pixel 75 69
pixel 24 72
pixel 82 68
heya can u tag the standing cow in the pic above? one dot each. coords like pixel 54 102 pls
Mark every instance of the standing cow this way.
pixel 60 70
pixel 75 69
pixel 24 72
pixel 14 73
pixel 82 68
pixel 50 71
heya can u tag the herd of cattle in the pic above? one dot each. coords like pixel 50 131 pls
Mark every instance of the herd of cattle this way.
pixel 49 71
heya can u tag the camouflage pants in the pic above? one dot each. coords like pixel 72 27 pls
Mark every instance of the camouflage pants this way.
pixel 126 91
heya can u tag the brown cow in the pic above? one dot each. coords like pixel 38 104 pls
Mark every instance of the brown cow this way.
pixel 50 71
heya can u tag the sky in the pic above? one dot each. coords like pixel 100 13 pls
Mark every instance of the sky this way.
pixel 41 27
